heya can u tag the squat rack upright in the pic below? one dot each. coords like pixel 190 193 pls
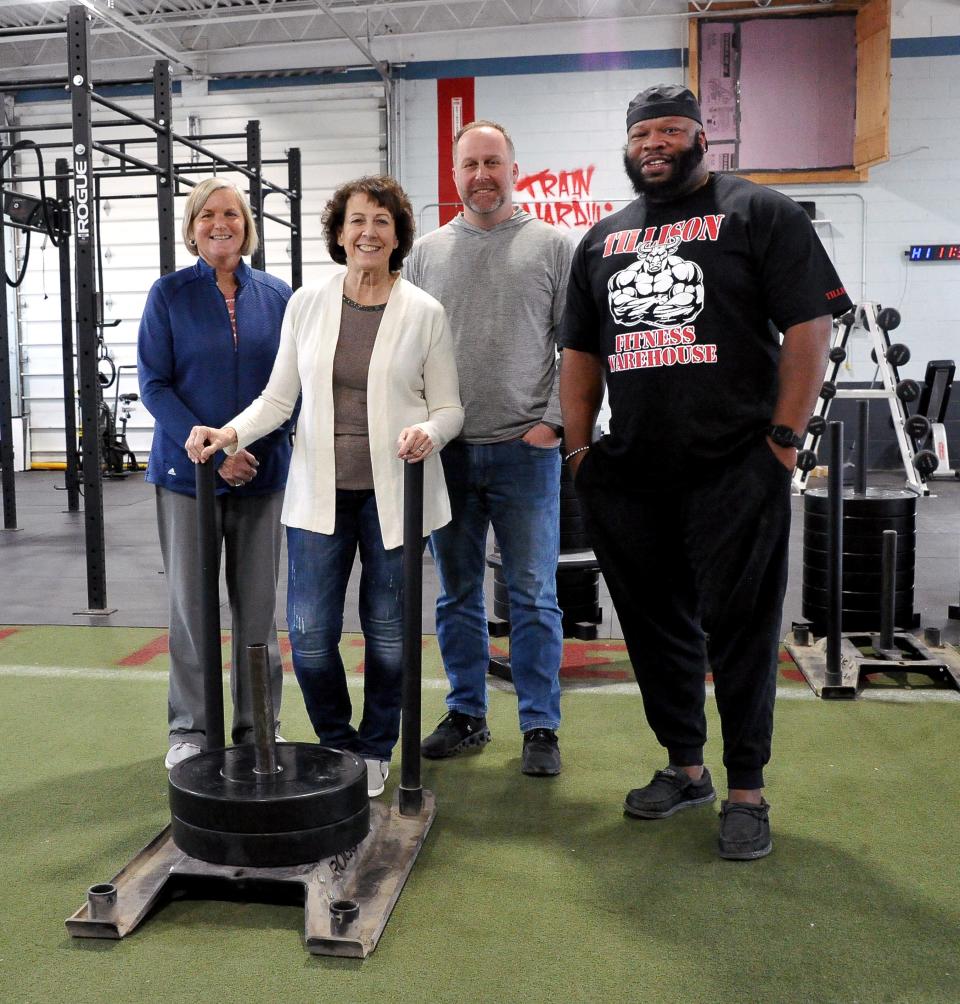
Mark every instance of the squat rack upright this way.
pixel 168 177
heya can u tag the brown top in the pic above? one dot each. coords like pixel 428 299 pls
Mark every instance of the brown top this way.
pixel 351 363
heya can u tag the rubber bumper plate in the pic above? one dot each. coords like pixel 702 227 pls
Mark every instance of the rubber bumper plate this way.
pixel 222 811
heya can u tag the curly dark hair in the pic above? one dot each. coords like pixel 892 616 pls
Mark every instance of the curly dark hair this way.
pixel 385 192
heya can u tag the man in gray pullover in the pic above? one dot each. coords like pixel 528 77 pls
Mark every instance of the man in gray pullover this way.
pixel 502 276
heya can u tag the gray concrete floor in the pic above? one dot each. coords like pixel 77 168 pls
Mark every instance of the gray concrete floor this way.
pixel 44 561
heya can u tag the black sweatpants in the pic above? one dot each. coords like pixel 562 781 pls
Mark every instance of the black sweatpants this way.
pixel 697 569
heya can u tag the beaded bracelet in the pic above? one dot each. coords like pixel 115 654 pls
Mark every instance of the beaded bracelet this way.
pixel 573 453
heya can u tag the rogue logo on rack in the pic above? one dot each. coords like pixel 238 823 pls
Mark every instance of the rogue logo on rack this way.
pixel 81 199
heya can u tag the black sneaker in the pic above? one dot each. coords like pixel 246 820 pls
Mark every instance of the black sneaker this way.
pixel 541 753
pixel 455 733
pixel 671 790
pixel 744 830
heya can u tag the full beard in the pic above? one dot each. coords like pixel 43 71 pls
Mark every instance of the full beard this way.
pixel 684 166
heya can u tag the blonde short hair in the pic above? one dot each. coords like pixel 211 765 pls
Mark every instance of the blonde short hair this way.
pixel 197 199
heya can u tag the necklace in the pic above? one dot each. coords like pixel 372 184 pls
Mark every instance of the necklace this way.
pixel 363 306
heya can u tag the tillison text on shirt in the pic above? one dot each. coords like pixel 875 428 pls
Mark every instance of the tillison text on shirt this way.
pixel 697 228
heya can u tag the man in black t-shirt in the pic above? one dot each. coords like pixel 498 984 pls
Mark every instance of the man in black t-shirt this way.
pixel 688 497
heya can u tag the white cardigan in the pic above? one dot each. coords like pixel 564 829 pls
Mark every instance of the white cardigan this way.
pixel 412 381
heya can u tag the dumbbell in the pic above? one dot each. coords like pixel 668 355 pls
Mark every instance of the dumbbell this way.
pixel 829 390
pixel 897 354
pixel 917 427
pixel 908 390
pixel 926 462
pixel 817 425
pixel 888 318
pixel 838 354
pixel 807 460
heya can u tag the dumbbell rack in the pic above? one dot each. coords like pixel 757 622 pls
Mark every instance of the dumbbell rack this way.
pixel 865 315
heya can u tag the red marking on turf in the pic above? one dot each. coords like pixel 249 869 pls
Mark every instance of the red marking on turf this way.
pixel 787 668
pixel 147 653
pixel 6 632
pixel 580 664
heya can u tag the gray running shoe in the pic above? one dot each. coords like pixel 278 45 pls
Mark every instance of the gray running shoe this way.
pixel 671 790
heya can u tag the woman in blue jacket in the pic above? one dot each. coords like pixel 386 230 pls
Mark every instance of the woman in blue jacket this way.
pixel 207 342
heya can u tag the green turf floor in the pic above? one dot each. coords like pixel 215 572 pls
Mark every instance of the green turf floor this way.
pixel 527 889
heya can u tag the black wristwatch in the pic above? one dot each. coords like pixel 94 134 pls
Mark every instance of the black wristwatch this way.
pixel 783 435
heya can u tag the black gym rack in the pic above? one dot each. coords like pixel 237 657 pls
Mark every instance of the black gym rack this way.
pixel 77 217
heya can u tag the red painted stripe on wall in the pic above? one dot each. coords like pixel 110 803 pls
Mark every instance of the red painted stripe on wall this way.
pixel 455 108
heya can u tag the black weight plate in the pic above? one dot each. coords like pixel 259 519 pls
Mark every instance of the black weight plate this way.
pixel 816 558
pixel 572 524
pixel 570 509
pixel 859 582
pixel 575 542
pixel 906 543
pixel 578 595
pixel 860 526
pixel 902 600
pixel 576 577
pixel 501 610
pixel 218 789
pixel 271 850
pixel 588 612
pixel 854 620
pixel 877 502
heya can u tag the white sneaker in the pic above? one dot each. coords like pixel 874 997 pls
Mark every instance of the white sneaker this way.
pixel 377 773
pixel 180 751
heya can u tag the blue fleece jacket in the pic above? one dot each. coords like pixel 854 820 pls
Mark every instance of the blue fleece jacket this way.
pixel 191 373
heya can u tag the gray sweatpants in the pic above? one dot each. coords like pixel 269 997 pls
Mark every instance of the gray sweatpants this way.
pixel 248 531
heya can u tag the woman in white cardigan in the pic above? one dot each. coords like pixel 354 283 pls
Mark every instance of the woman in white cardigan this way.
pixel 372 357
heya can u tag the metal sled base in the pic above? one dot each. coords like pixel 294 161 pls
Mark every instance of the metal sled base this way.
pixel 347 898
pixel 909 655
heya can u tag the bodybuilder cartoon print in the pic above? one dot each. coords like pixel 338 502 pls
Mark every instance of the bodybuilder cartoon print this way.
pixel 658 288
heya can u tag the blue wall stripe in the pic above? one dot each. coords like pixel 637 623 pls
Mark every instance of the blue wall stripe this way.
pixel 574 62
pixel 938 45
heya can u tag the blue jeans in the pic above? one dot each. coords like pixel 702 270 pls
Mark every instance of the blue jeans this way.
pixel 319 569
pixel 516 487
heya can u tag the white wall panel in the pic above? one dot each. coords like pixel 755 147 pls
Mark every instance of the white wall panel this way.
pixel 339 130
pixel 569 122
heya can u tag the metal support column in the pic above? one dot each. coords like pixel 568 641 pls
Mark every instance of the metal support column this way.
pixel 72 478
pixel 85 291
pixel 411 790
pixel 254 164
pixel 295 185
pixel 6 400
pixel 166 185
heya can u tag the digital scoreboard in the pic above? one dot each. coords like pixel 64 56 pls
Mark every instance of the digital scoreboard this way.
pixel 933 252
